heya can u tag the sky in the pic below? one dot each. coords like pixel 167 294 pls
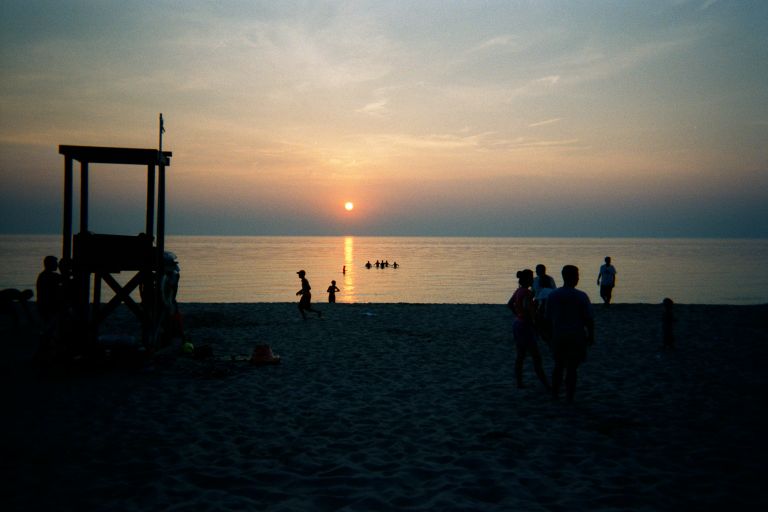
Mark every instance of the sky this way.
pixel 445 118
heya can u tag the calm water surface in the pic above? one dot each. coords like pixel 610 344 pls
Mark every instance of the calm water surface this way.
pixel 436 270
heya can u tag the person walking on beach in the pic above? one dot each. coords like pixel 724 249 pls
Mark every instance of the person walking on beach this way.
pixel 332 292
pixel 606 280
pixel 573 330
pixel 305 303
pixel 521 303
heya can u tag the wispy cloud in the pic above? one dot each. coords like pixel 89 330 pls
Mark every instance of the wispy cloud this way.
pixel 376 108
pixel 505 41
pixel 546 122
pixel 534 87
pixel 595 64
pixel 482 141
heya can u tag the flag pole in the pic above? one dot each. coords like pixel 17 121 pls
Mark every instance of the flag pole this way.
pixel 160 137
pixel 160 210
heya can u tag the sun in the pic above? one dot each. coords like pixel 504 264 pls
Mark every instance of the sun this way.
pixel 349 206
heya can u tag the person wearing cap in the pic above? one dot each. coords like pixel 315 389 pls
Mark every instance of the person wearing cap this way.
pixel 305 303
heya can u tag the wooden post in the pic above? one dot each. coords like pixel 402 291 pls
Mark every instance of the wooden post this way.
pixel 161 213
pixel 150 228
pixel 83 197
pixel 66 250
pixel 96 295
pixel 83 275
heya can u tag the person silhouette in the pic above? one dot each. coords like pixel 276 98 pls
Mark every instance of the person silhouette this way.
pixel 569 312
pixel 606 280
pixel 305 303
pixel 332 292
pixel 49 289
pixel 521 303
pixel 543 283
pixel 368 264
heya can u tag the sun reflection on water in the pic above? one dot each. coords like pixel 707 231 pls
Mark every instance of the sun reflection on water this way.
pixel 349 268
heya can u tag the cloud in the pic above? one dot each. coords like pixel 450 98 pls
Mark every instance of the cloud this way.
pixel 534 87
pixel 546 122
pixel 505 41
pixel 463 140
pixel 376 108
pixel 346 52
pixel 591 64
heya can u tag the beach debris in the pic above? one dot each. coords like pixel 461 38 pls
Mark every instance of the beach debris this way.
pixel 118 340
pixel 10 298
pixel 262 354
pixel 203 352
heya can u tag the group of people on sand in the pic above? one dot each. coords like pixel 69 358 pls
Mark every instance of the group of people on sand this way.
pixel 380 264
pixel 562 317
pixel 54 291
pixel 56 294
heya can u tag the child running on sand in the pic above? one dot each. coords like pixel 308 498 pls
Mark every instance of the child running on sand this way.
pixel 332 292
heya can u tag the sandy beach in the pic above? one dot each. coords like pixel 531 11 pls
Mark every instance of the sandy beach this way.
pixel 396 407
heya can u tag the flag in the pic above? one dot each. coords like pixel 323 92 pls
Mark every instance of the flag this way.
pixel 162 124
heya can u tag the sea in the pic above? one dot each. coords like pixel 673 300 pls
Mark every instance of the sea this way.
pixel 442 270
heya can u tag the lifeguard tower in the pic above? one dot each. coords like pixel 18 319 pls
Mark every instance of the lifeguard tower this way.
pixel 96 257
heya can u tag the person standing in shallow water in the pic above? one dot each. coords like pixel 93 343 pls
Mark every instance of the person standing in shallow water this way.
pixel 305 303
pixel 569 312
pixel 523 329
pixel 606 280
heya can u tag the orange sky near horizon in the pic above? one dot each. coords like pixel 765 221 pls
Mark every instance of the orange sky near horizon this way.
pixel 487 118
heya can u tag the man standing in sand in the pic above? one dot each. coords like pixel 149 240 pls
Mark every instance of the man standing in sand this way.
pixel 305 303
pixel 573 330
pixel 606 280
pixel 49 290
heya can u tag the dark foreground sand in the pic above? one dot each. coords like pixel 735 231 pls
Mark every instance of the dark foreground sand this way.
pixel 397 407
